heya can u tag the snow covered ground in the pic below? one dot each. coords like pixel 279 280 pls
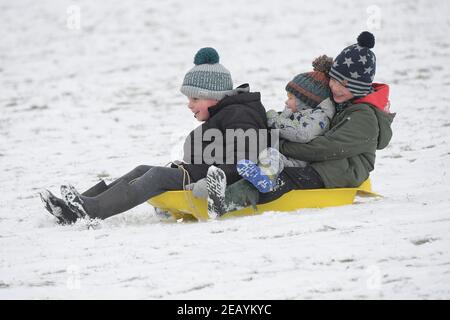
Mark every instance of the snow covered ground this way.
pixel 79 104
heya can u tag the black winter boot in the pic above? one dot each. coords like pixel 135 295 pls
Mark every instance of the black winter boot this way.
pixel 216 182
pixel 58 208
pixel 73 200
pixel 223 198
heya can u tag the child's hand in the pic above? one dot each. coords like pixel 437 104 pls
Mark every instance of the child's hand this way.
pixel 271 114
pixel 286 113
pixel 271 117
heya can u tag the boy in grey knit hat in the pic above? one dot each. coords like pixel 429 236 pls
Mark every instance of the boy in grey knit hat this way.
pixel 212 99
pixel 208 79
pixel 206 83
pixel 214 102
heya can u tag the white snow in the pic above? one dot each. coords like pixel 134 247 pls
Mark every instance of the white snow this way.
pixel 79 105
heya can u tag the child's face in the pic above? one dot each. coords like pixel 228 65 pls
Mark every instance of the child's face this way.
pixel 291 102
pixel 199 107
pixel 340 92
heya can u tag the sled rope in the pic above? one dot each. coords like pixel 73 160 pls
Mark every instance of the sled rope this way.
pixel 187 195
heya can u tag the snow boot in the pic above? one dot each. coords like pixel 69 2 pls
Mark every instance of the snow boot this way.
pixel 73 200
pixel 58 208
pixel 251 172
pixel 264 174
pixel 216 182
pixel 223 199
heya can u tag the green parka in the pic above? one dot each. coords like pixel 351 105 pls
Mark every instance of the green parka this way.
pixel 345 155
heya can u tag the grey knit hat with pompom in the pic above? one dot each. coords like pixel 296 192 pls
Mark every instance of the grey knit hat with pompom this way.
pixel 208 79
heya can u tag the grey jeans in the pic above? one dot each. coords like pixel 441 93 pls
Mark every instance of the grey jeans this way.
pixel 132 189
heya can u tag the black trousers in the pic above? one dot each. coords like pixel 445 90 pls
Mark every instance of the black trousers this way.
pixel 293 178
pixel 130 190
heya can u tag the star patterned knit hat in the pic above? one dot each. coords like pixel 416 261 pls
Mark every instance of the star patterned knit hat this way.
pixel 208 79
pixel 355 66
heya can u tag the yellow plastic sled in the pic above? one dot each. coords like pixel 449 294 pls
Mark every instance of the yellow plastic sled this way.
pixel 183 205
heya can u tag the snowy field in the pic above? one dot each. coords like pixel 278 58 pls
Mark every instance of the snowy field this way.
pixel 79 104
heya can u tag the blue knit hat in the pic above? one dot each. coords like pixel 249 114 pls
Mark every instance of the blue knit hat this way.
pixel 208 79
pixel 355 66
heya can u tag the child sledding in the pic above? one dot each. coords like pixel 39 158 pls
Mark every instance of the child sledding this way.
pixel 344 155
pixel 335 120
pixel 213 101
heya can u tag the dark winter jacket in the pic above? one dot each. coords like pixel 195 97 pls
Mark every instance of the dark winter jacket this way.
pixel 345 155
pixel 243 110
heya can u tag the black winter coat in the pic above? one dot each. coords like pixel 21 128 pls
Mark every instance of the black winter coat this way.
pixel 241 111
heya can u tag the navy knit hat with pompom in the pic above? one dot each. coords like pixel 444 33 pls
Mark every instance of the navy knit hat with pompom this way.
pixel 208 79
pixel 355 65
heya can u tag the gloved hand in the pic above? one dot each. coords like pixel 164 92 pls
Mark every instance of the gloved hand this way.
pixel 199 188
pixel 271 117
pixel 271 113
pixel 286 113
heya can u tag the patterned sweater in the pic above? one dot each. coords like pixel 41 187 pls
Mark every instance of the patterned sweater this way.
pixel 301 126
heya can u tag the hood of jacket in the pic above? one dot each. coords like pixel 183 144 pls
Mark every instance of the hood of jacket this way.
pixel 378 100
pixel 241 96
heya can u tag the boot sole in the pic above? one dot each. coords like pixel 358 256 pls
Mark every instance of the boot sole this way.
pixel 50 207
pixel 73 201
pixel 216 183
pixel 252 173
